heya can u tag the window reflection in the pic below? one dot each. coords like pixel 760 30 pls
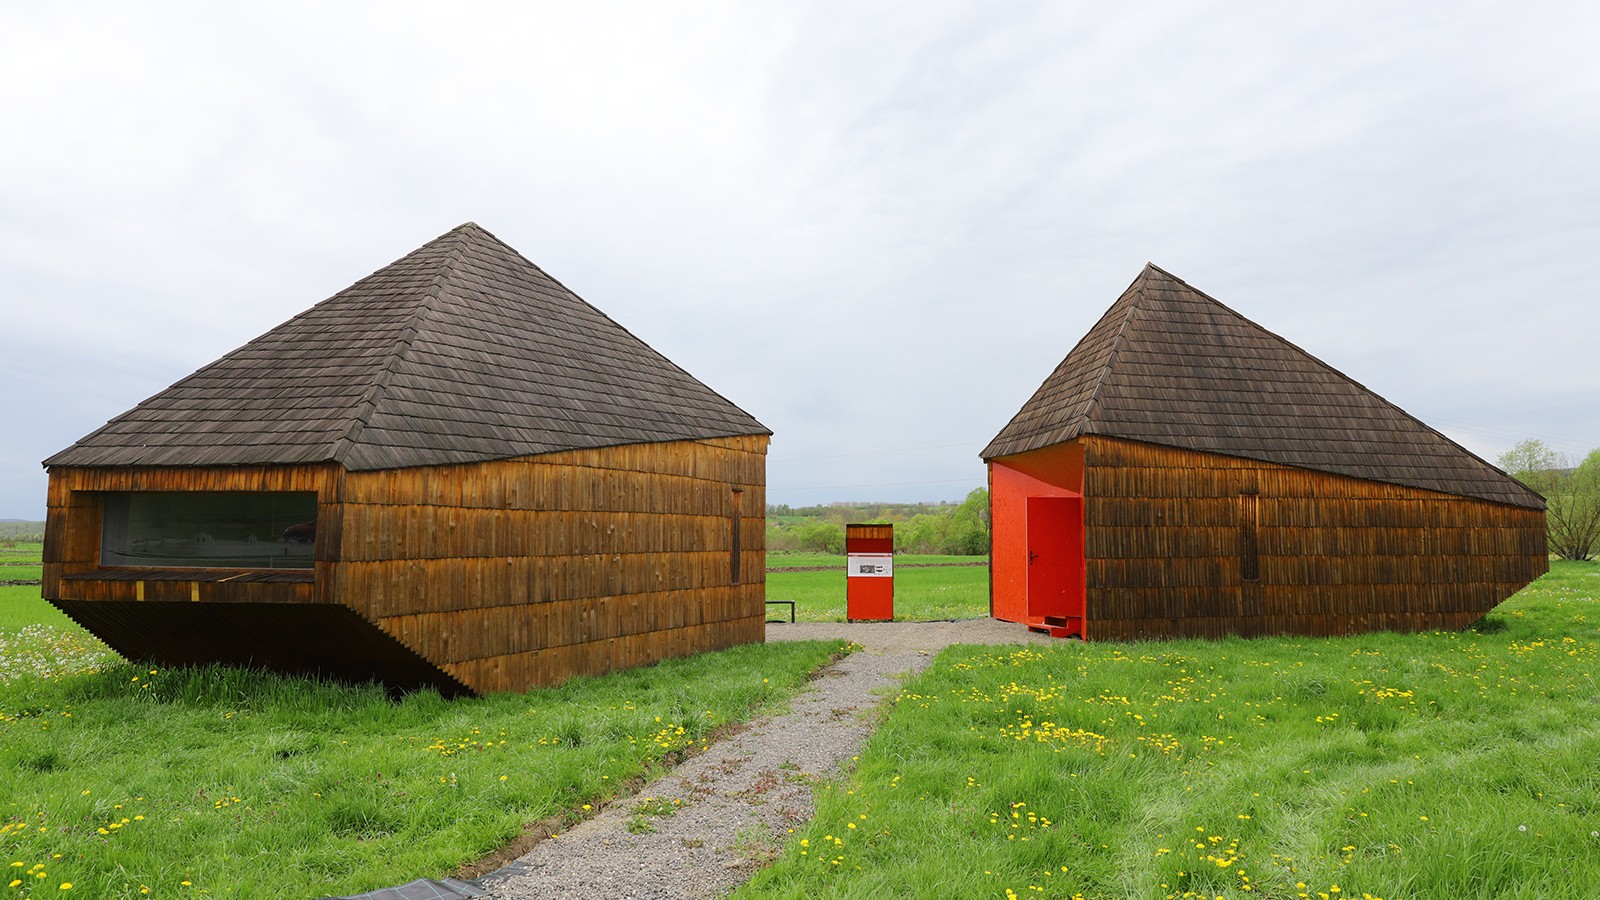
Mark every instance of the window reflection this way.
pixel 212 529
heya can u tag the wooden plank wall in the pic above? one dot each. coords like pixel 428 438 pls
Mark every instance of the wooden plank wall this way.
pixel 1166 544
pixel 505 575
pixel 524 572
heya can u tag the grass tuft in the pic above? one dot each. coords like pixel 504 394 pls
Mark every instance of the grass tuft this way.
pixel 1489 625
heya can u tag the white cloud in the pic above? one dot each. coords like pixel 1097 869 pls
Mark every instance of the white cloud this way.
pixel 789 201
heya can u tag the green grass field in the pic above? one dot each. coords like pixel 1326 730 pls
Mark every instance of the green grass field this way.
pixel 1441 765
pixel 920 594
pixel 20 562
pixel 130 782
pixel 20 606
pixel 783 560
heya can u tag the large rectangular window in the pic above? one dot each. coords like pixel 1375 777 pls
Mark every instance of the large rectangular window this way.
pixel 209 529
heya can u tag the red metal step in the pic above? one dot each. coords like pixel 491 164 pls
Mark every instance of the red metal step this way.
pixel 1057 626
pixel 1064 626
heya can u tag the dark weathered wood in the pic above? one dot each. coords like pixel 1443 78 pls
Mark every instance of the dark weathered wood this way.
pixel 1165 552
pixel 621 548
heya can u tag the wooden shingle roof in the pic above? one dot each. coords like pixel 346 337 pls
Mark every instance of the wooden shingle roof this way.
pixel 1169 365
pixel 461 351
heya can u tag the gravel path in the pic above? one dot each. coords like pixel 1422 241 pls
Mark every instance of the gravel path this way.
pixel 909 637
pixel 737 800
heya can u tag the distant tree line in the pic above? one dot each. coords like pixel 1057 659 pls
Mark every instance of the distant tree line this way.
pixel 955 529
pixel 13 533
pixel 1571 492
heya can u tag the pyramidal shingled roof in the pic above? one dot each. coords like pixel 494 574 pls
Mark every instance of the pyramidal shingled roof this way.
pixel 1169 365
pixel 461 351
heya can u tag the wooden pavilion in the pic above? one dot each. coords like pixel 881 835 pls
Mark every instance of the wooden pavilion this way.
pixel 453 474
pixel 1185 472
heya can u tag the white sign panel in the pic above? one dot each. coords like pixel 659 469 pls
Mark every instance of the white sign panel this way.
pixel 870 565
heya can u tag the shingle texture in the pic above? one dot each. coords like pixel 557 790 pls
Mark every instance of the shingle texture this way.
pixel 461 351
pixel 1169 365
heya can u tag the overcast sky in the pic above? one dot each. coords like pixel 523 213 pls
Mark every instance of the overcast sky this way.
pixel 876 227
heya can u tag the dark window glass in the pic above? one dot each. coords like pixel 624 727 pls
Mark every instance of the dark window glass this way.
pixel 736 536
pixel 226 530
pixel 1249 553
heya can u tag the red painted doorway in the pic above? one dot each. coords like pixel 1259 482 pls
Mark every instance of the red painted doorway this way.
pixel 1055 564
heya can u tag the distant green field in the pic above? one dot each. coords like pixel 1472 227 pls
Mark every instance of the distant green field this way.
pixel 784 560
pixel 21 606
pixel 920 594
pixel 22 551
pixel 17 531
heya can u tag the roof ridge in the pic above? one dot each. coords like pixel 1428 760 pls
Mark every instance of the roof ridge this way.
pixel 402 345
pixel 1116 346
pixel 604 315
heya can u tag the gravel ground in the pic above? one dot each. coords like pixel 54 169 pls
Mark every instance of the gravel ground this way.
pixel 909 637
pixel 737 800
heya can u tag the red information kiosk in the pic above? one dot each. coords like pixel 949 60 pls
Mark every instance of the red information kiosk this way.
pixel 869 573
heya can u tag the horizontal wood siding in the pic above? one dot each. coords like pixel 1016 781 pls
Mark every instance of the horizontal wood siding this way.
pixel 524 572
pixel 1165 545
pixel 192 590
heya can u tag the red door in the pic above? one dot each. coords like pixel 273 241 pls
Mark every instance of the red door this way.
pixel 1055 564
